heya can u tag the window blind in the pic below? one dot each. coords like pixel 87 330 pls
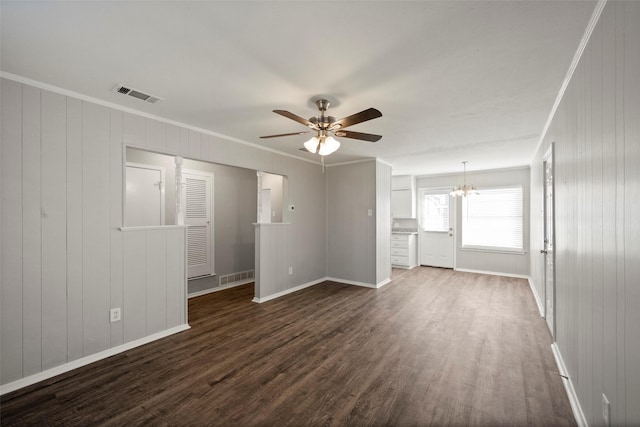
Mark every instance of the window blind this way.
pixel 493 219
pixel 435 212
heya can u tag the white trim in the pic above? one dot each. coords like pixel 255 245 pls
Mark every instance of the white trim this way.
pixel 66 92
pixel 61 369
pixel 219 288
pixel 351 162
pixel 288 291
pixel 256 224
pixel 493 250
pixel 383 282
pixel 572 68
pixel 568 386
pixel 534 291
pixel 152 227
pixel 492 273
pixel 384 162
pixel 477 171
pixel 355 283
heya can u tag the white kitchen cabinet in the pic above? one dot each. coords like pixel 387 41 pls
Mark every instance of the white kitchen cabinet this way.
pixel 403 199
pixel 403 250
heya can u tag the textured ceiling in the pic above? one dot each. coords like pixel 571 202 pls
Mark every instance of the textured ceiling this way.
pixel 455 80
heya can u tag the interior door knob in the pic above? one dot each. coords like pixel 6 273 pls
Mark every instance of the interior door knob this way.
pixel 543 251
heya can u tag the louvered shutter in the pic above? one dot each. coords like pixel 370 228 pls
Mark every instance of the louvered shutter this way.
pixel 198 217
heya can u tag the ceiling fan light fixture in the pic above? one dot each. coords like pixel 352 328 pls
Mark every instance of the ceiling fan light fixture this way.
pixel 312 144
pixel 328 145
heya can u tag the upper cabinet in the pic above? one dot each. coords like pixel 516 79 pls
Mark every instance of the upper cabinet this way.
pixel 403 199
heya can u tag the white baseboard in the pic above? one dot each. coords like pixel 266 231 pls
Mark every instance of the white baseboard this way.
pixel 534 291
pixel 354 283
pixel 383 282
pixel 288 291
pixel 492 273
pixel 315 282
pixel 568 386
pixel 61 369
pixel 219 288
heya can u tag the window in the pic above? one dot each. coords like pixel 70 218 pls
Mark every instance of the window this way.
pixel 493 219
pixel 435 212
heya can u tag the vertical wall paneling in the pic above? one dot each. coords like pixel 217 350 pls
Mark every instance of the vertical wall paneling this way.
pixel 205 147
pixel 383 222
pixel 31 232
pixel 194 145
pixel 11 291
pixel 134 309
pixel 620 71
pixel 597 133
pixel 134 130
pixel 175 274
pixel 183 149
pixel 116 221
pixel 74 227
pixel 632 208
pixel 608 143
pixel 156 281
pixel 71 177
pixel 54 229
pixel 95 232
pixel 156 136
pixel 172 139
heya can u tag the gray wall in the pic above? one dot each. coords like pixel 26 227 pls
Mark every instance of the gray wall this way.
pixel 596 131
pixel 506 263
pixel 235 207
pixel 351 250
pixel 62 251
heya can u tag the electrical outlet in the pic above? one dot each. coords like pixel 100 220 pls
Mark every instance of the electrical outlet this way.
pixel 290 270
pixel 369 212
pixel 114 315
pixel 606 410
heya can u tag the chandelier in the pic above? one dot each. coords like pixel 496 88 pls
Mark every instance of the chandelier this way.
pixel 464 189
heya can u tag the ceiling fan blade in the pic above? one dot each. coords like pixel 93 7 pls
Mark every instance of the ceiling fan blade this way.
pixel 284 134
pixel 295 117
pixel 362 116
pixel 357 135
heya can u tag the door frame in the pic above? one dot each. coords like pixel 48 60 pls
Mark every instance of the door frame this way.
pixel 162 171
pixel 452 215
pixel 212 245
pixel 549 156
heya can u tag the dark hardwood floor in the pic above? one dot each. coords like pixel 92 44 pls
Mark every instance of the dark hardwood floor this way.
pixel 434 347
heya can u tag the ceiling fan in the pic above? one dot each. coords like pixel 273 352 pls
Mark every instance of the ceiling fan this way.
pixel 325 126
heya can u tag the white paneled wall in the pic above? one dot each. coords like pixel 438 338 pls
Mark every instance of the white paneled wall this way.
pixel 64 261
pixel 596 131
pixel 62 250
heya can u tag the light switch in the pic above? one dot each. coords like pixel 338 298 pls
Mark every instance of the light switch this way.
pixel 370 212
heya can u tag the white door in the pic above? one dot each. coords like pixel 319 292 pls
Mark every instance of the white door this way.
pixel 548 251
pixel 198 208
pixel 144 204
pixel 435 238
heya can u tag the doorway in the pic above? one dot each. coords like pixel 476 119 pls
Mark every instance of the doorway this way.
pixel 436 232
pixel 549 243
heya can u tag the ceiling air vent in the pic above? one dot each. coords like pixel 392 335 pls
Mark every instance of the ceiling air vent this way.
pixel 136 94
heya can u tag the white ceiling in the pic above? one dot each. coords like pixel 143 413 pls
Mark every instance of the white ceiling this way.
pixel 454 80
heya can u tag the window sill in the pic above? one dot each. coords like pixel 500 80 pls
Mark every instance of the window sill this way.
pixel 493 250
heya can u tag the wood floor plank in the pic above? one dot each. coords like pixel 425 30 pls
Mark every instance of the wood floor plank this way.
pixel 434 347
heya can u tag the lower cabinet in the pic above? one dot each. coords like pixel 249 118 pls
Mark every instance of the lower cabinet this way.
pixel 403 250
